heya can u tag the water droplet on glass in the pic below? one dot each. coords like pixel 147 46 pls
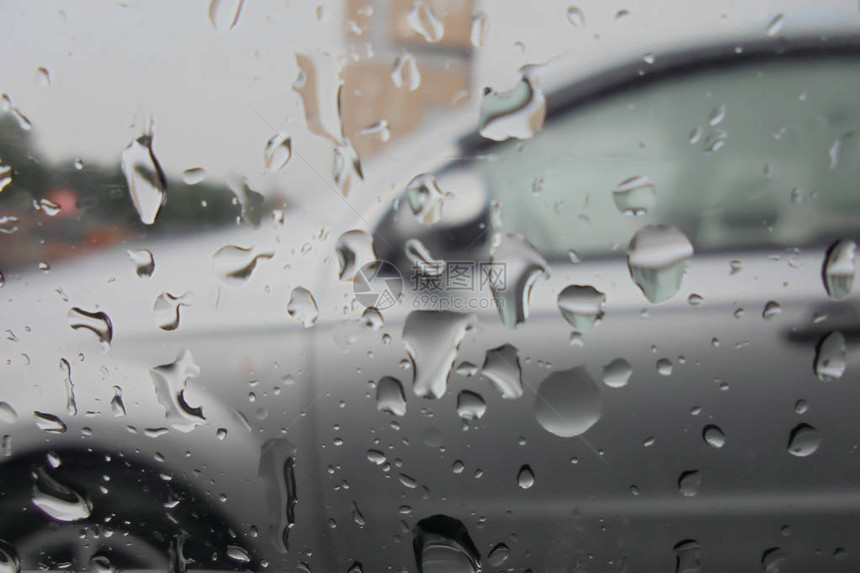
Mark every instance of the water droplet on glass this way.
pixel 49 423
pixel 838 269
pixel 71 403
pixel 664 367
pixel 689 483
pixel 234 264
pixel 48 207
pixel 372 319
pixel 23 121
pixel 98 323
pixel 830 360
pixel 525 478
pixel 467 369
pixel 518 113
pixel 576 17
pixel 442 545
pixel 771 309
pixel 101 564
pixel 568 402
pixel 718 114
pixel 345 162
pixel 617 373
pixel 634 196
pixel 775 25
pixel 58 501
pixel 9 562
pixel 8 224
pixel 421 259
pixel 522 265
pixel 425 199
pixel 237 554
pixel 714 436
pixel 502 369
pixel 423 20
pixel 688 556
pixel 581 306
pixel 803 441
pixel 432 339
pixel 144 262
pixel 278 470
pixel 224 14
pixel 357 516
pixel 479 29
pixel 43 76
pixel 773 560
pixel 166 309
pixel 405 72
pixel 375 457
pixel 303 307
pixel 116 404
pixel 658 258
pixel 171 381
pixel 278 151
pixel 8 415
pixel 194 175
pixel 5 176
pixel 354 249
pixel 390 397
pixel 470 405
pixel 146 181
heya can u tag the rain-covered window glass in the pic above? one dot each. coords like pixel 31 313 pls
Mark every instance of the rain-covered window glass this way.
pixel 429 286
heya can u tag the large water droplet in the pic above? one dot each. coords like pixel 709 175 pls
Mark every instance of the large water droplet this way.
pixel 8 415
pixel 303 307
pixel 405 72
pixel 479 30
pixel 422 260
pixel 171 381
pixel 470 405
pixel 71 402
pixel 345 163
pixel 278 151
pixel 518 113
pixel 390 397
pixel 234 264
pixel 568 402
pixel 166 309
pixel 194 175
pixel 773 560
pixel 774 27
pixel 442 545
pixel 581 306
pixel 224 14
pixel 425 198
pixel 499 554
pixel 278 470
pixel 237 554
pixel 635 196
pixel 525 477
pixel 771 309
pixel 714 436
pixel 518 266
pixel 838 269
pixel 97 322
pixel 689 483
pixel 144 263
pixel 9 562
pixel 502 369
pixel 803 441
pixel 422 19
pixel 116 404
pixel 658 258
pixel 58 501
pixel 830 360
pixel 432 339
pixel 319 85
pixel 617 373
pixel 576 17
pixel 354 249
pixel 146 181
pixel 688 556
pixel 49 423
